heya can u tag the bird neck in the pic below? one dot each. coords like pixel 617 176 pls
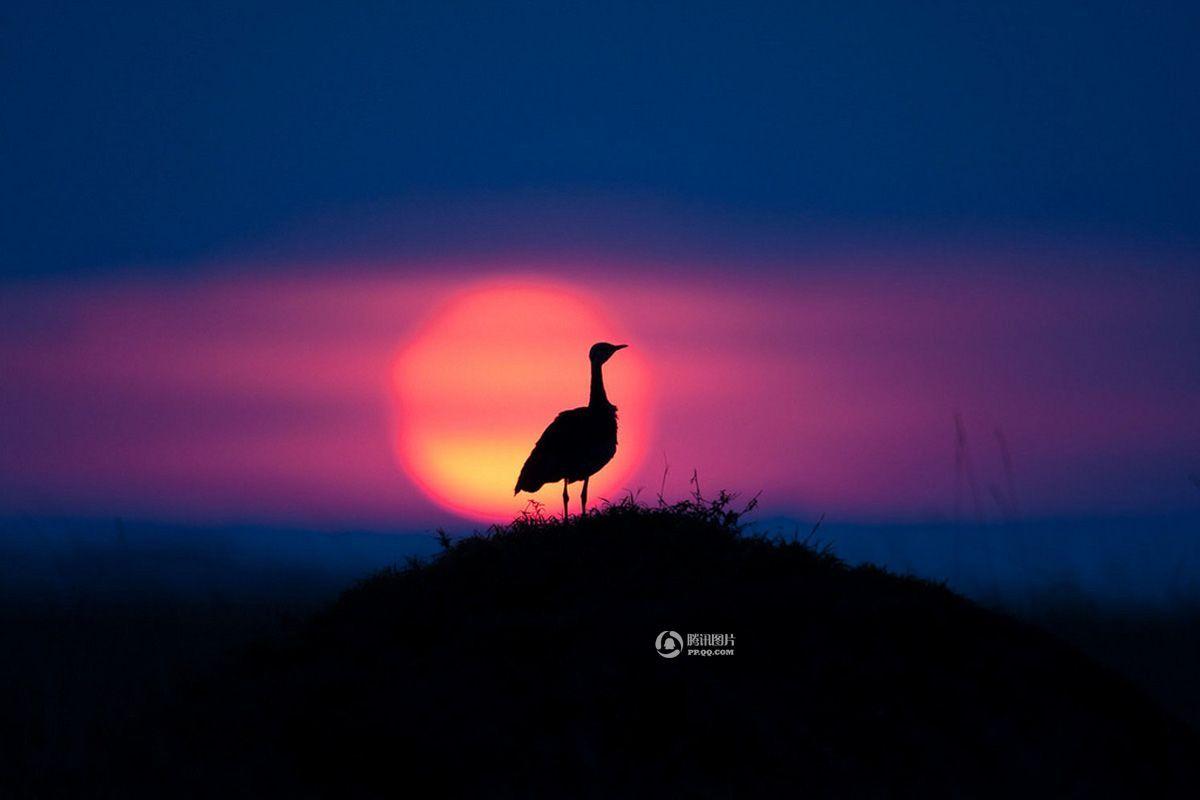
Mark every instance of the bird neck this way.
pixel 598 398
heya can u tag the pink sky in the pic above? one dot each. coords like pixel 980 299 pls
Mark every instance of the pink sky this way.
pixel 267 398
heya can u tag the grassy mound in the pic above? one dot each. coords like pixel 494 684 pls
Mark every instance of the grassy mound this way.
pixel 521 662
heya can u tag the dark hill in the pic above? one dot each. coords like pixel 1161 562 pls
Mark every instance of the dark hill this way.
pixel 522 663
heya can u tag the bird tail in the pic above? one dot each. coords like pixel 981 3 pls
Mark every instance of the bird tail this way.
pixel 526 481
pixel 525 484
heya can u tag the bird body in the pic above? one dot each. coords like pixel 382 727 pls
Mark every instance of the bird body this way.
pixel 576 445
pixel 579 442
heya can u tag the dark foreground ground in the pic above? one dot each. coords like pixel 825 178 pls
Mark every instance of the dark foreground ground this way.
pixel 522 663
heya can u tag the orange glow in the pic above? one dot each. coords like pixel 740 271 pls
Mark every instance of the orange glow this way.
pixel 487 373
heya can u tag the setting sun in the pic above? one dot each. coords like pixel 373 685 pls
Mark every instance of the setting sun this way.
pixel 483 377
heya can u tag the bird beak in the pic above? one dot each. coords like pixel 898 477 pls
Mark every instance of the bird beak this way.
pixel 617 347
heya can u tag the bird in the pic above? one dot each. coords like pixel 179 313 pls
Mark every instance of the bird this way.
pixel 579 442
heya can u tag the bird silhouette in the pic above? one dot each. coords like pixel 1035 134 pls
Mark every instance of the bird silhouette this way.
pixel 578 442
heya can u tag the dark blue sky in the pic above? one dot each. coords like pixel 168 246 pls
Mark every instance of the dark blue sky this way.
pixel 158 135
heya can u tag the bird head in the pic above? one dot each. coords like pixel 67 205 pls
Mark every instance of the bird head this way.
pixel 602 351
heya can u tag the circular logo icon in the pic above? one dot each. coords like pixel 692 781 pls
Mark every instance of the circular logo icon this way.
pixel 669 644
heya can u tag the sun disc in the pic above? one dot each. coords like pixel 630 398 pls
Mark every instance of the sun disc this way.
pixel 483 377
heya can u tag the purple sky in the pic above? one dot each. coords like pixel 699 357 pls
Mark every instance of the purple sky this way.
pixel 828 380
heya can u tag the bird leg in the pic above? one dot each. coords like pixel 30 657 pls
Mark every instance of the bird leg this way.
pixel 583 496
pixel 566 511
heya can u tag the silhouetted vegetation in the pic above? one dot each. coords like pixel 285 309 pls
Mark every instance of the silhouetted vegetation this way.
pixel 521 662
